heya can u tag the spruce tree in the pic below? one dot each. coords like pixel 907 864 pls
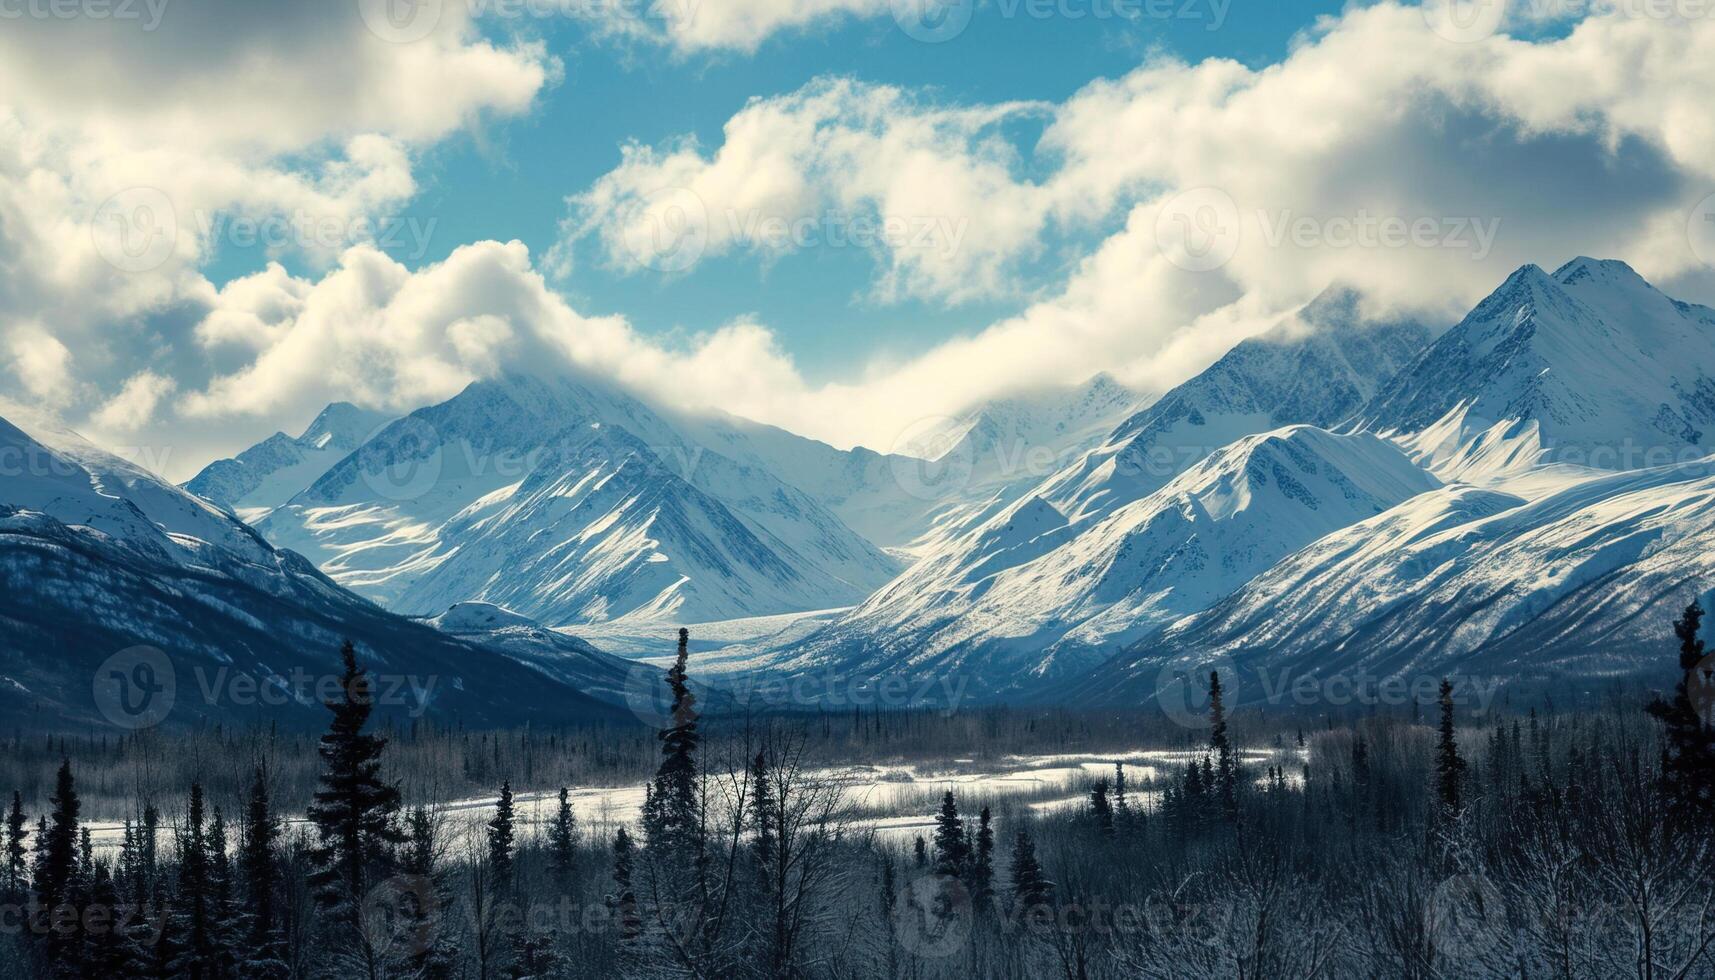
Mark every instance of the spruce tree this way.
pixel 920 853
pixel 259 869
pixel 353 811
pixel 1449 767
pixel 500 839
pixel 17 865
pixel 982 863
pixel 431 954
pixel 674 827
pixel 563 844
pixel 952 850
pixel 762 817
pixel 1030 887
pixel 195 899
pixel 624 899
pixel 1688 753
pixel 1101 809
pixel 1226 770
pixel 59 842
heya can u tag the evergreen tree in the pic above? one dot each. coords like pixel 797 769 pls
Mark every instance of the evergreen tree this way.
pixel 1688 755
pixel 17 867
pixel 952 850
pixel 353 811
pixel 563 844
pixel 1119 800
pixel 1226 771
pixel 431 955
pixel 982 863
pixel 673 823
pixel 1449 767
pixel 194 909
pixel 59 841
pixel 264 953
pixel 500 839
pixel 1101 808
pixel 1030 887
pixel 762 817
pixel 920 853
pixel 624 900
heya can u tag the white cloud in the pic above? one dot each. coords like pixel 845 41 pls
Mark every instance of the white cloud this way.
pixel 1597 141
pixel 128 149
pixel 929 190
pixel 40 363
pixel 134 407
pixel 735 25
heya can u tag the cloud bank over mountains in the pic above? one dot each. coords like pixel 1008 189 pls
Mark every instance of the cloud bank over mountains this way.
pixel 1413 167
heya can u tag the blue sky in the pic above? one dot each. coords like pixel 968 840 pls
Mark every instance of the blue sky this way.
pixel 508 180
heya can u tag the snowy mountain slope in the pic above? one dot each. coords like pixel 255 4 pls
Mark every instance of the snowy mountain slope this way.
pixel 569 501
pixel 1316 367
pixel 957 467
pixel 1580 583
pixel 269 473
pixel 1037 596
pixel 565 658
pixel 98 556
pixel 1049 579
pixel 1591 366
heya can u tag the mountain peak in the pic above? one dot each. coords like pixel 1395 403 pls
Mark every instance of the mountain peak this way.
pixel 341 425
pixel 1610 271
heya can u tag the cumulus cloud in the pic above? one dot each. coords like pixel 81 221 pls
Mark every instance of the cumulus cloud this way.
pixel 1378 154
pixel 733 25
pixel 129 145
pixel 930 190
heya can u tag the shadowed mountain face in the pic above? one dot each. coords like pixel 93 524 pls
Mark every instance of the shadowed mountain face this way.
pixel 99 558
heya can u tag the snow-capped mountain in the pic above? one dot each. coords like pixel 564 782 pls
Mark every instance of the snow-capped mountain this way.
pixel 98 556
pixel 558 655
pixel 568 500
pixel 1591 366
pixel 1560 553
pixel 271 472
pixel 1580 584
pixel 1167 515
pixel 1036 596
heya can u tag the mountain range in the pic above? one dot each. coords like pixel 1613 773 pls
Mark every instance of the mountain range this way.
pixel 1524 492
